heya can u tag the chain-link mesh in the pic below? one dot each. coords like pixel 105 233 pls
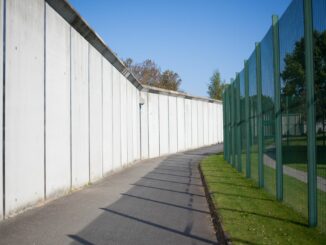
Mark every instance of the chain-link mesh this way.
pixel 293 101
pixel 287 39
pixel 319 20
pixel 268 100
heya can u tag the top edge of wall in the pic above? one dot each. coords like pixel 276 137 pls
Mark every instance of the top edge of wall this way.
pixel 156 90
pixel 67 11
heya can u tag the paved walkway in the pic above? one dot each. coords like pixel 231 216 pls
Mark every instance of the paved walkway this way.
pixel 295 173
pixel 158 201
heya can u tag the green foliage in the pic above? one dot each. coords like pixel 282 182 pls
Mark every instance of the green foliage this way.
pixel 216 87
pixel 293 75
pixel 169 80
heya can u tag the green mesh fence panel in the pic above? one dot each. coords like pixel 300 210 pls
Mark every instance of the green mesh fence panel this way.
pixel 293 110
pixel 269 151
pixel 293 107
pixel 319 20
pixel 253 116
pixel 229 123
pixel 243 121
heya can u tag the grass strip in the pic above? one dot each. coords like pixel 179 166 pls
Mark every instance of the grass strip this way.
pixel 250 215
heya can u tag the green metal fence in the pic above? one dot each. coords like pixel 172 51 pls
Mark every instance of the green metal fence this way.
pixel 275 111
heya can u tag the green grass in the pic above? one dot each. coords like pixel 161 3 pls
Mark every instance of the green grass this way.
pixel 295 192
pixel 250 215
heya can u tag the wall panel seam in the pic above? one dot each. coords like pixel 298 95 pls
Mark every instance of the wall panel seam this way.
pixel 4 110
pixel 44 105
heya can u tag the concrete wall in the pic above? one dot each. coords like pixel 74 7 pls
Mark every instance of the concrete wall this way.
pixel 72 111
pixel 57 104
pixel 95 114
pixel 164 124
pixel 24 104
pixel 171 123
pixel 123 121
pixel 116 120
pixel 107 116
pixel 144 135
pixel 79 110
pixel 1 108
pixel 194 123
pixel 188 124
pixel 181 123
pixel 153 125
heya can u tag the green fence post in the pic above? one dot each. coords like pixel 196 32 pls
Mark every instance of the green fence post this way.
pixel 230 124
pixel 225 120
pixel 248 167
pixel 230 111
pixel 311 121
pixel 227 113
pixel 233 125
pixel 238 117
pixel 259 117
pixel 224 130
pixel 277 109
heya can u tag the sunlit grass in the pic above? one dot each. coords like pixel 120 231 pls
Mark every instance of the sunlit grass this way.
pixel 251 215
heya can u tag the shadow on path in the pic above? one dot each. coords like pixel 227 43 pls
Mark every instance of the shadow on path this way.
pixel 165 206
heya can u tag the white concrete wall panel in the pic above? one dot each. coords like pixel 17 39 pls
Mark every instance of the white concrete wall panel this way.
pixel 79 109
pixel 116 120
pixel 210 123
pixel 144 126
pixel 130 123
pixel 164 123
pixel 181 123
pixel 107 117
pixel 194 122
pixel 215 133
pixel 57 79
pixel 205 122
pixel 217 126
pixel 214 124
pixel 153 125
pixel 95 102
pixel 200 122
pixel 1 105
pixel 188 124
pixel 136 121
pixel 24 158
pixel 173 124
pixel 123 122
pixel 220 118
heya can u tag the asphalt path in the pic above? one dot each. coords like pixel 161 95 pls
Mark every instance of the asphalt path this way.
pixel 156 201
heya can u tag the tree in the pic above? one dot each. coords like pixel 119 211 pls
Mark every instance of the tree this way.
pixel 149 73
pixel 293 94
pixel 169 80
pixel 216 87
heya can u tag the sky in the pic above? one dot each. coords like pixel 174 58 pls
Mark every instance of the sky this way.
pixel 191 37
